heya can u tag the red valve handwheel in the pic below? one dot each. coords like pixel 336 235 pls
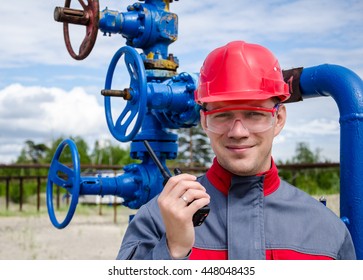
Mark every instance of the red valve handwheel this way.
pixel 92 12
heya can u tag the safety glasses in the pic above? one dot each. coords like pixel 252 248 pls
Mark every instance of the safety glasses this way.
pixel 254 119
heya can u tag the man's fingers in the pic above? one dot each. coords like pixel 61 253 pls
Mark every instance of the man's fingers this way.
pixel 178 185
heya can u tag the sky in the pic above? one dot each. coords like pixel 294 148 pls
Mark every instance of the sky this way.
pixel 46 94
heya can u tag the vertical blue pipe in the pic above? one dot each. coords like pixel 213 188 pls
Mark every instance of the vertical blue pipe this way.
pixel 346 88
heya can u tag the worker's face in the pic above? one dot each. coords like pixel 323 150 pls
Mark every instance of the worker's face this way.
pixel 237 149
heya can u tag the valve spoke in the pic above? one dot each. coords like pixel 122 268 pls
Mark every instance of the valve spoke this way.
pixel 57 168
pixel 84 5
pixel 131 69
pixel 130 112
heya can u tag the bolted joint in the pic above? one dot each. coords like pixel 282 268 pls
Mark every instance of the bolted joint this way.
pixel 141 15
pixel 137 6
pixel 190 87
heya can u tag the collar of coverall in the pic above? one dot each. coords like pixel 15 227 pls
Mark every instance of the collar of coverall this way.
pixel 221 178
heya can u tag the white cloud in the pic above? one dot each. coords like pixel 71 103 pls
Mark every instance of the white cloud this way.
pixel 315 127
pixel 314 121
pixel 300 33
pixel 44 114
pixel 201 28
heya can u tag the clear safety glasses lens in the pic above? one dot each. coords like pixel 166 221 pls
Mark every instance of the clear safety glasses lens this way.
pixel 254 119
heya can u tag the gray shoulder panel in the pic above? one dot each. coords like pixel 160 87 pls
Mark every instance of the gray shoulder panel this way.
pixel 294 220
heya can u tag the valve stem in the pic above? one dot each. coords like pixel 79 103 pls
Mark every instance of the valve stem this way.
pixel 125 94
pixel 68 15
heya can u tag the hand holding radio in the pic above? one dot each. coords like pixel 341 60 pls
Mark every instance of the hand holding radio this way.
pixel 184 205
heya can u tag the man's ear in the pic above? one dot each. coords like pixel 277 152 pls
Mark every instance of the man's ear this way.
pixel 280 120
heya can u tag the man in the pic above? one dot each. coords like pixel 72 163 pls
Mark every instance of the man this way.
pixel 253 213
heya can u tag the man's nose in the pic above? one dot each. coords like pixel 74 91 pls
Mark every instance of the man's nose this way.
pixel 238 129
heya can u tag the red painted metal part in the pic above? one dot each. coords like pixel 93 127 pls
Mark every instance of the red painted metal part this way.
pixel 89 17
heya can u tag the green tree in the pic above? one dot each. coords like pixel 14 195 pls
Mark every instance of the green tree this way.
pixel 82 147
pixel 305 155
pixel 194 148
pixel 314 180
pixel 32 153
pixel 110 154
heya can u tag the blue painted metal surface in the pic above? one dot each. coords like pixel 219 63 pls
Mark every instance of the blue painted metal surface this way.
pixel 149 26
pixel 137 185
pixel 157 99
pixel 346 88
pixel 71 182
pixel 136 106
pixel 159 106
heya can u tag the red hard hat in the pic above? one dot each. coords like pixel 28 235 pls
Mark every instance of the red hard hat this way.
pixel 240 71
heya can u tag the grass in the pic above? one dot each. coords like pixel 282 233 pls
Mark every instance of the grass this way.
pixel 30 209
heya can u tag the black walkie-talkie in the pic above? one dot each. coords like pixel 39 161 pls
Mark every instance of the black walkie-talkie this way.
pixel 202 213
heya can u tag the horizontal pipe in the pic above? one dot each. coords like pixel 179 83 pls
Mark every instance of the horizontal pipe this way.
pixel 342 84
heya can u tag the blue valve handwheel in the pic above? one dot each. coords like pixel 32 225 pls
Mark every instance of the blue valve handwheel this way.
pixel 70 181
pixel 135 109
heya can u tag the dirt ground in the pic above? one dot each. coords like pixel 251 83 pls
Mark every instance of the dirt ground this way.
pixel 89 236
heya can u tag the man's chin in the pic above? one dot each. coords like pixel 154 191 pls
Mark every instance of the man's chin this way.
pixel 240 168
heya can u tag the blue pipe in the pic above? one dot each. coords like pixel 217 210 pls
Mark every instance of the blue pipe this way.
pixel 346 88
pixel 134 186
